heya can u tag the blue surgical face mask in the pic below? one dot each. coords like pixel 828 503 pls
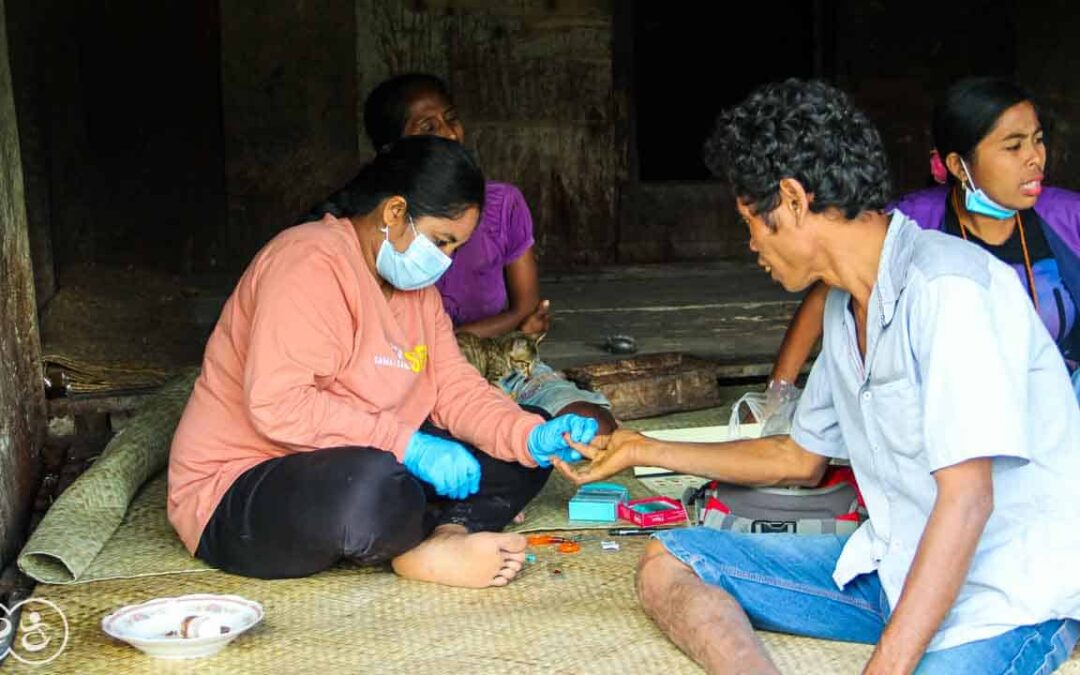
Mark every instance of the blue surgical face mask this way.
pixel 419 265
pixel 976 201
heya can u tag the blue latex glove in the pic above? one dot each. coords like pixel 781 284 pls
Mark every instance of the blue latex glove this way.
pixel 446 464
pixel 546 440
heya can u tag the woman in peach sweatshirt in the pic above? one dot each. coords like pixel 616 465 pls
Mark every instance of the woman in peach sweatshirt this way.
pixel 323 424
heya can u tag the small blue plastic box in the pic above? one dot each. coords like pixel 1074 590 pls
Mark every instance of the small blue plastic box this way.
pixel 597 502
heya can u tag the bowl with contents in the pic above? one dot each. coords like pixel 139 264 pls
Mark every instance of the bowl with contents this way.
pixel 186 627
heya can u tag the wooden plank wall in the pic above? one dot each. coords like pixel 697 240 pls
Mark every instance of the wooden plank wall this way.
pixel 289 99
pixel 22 406
pixel 1048 64
pixel 533 81
pixel 29 74
pixel 119 125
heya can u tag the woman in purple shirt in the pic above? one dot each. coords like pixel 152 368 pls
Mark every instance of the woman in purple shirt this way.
pixel 990 161
pixel 492 288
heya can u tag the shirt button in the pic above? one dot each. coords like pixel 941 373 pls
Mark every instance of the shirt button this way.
pixel 866 396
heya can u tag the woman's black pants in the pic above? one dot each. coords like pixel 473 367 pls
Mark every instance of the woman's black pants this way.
pixel 296 515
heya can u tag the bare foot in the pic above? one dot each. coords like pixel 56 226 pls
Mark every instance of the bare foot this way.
pixel 519 518
pixel 454 557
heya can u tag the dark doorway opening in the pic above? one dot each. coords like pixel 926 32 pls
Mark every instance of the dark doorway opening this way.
pixel 124 99
pixel 688 65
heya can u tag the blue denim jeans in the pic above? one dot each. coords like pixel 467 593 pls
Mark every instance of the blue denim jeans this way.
pixel 784 583
pixel 549 390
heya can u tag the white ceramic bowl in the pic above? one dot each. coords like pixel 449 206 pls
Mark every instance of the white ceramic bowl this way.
pixel 154 626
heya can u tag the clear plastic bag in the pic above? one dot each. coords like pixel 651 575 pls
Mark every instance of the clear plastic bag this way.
pixel 773 408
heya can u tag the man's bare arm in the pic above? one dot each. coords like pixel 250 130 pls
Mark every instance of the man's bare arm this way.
pixel 965 500
pixel 774 460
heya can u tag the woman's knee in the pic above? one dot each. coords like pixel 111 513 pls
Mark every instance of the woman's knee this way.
pixel 373 485
pixel 301 514
pixel 605 420
pixel 347 500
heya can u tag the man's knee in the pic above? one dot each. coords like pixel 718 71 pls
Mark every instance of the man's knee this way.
pixel 657 571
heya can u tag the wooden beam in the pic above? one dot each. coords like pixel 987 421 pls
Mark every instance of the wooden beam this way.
pixel 64 407
pixel 22 396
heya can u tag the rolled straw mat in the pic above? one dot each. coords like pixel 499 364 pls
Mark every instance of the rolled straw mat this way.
pixel 78 525
pixel 82 376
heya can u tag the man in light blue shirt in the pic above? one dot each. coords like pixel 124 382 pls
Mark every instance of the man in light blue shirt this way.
pixel 940 385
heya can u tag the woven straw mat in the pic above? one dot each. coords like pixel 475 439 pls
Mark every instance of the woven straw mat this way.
pixel 583 619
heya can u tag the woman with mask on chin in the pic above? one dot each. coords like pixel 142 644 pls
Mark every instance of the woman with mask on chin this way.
pixel 335 417
pixel 990 159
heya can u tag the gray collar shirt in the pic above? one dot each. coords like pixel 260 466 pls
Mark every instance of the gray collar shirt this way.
pixel 958 366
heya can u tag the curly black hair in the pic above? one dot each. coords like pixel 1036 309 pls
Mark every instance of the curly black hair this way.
pixel 809 131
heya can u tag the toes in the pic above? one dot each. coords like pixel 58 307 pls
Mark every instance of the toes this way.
pixel 506 573
pixel 514 543
pixel 499 581
pixel 514 565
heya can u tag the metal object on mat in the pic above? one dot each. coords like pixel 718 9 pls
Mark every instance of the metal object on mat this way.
pixel 620 344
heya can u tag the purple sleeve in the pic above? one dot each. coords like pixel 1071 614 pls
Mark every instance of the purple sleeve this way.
pixel 926 207
pixel 517 225
pixel 1060 209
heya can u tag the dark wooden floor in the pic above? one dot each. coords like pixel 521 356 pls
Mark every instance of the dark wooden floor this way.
pixel 728 311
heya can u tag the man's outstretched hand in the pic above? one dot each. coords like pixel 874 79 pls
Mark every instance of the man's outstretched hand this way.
pixel 607 455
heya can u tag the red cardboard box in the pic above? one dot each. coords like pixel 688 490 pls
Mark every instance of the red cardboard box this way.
pixel 651 511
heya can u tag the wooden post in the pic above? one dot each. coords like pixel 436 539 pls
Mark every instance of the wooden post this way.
pixel 22 402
